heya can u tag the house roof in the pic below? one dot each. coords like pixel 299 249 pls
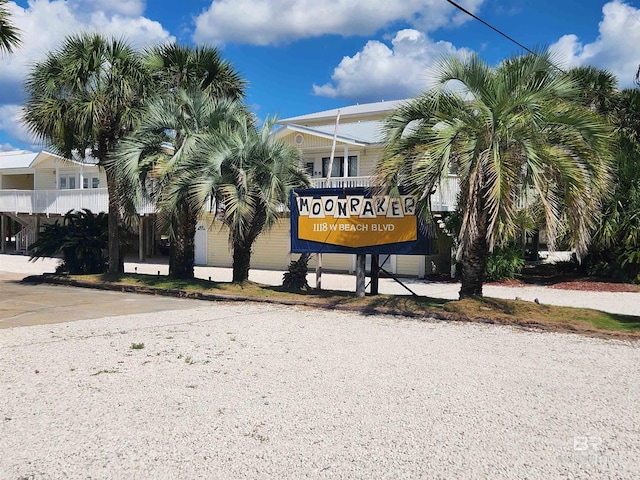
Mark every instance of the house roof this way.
pixel 357 133
pixel 377 109
pixel 17 159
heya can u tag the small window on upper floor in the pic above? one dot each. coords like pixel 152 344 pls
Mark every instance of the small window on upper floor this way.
pixel 338 167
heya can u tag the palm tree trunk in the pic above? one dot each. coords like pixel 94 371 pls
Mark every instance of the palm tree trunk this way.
pixel 182 250
pixel 241 262
pixel 116 265
pixel 242 247
pixel 475 258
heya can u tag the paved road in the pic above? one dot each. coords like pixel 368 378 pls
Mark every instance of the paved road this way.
pixel 27 304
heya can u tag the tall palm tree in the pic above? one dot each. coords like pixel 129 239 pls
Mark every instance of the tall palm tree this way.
pixel 168 141
pixel 222 159
pixel 508 133
pixel 249 177
pixel 176 68
pixel 9 34
pixel 84 97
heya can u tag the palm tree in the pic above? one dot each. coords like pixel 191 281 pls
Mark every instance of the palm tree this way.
pixel 222 160
pixel 180 66
pixel 168 140
pixel 9 34
pixel 175 68
pixel 509 133
pixel 249 176
pixel 85 97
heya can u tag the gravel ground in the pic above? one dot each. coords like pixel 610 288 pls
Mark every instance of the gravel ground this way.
pixel 253 391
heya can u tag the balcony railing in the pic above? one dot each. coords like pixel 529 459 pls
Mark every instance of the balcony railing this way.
pixel 443 200
pixel 59 202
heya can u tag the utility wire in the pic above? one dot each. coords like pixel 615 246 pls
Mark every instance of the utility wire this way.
pixel 460 7
pixel 500 32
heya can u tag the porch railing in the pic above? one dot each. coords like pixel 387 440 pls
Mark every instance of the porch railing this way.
pixel 443 200
pixel 59 202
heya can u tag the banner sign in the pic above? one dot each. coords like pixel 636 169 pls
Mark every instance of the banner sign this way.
pixel 326 220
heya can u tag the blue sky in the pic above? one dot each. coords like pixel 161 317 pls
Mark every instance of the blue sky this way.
pixel 301 56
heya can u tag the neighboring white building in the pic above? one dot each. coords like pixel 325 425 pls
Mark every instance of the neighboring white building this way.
pixel 38 188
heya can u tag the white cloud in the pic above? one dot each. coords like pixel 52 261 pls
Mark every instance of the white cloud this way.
pixel 264 22
pixel 615 49
pixel 378 72
pixel 7 147
pixel 44 24
pixel 131 8
pixel 10 122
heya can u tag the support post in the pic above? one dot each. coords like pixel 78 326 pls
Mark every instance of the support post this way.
pixel 141 237
pixel 375 273
pixel 319 272
pixel 3 229
pixel 36 234
pixel 360 274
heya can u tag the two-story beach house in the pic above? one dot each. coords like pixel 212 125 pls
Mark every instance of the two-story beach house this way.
pixel 37 188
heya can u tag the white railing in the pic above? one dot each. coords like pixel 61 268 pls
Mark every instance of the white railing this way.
pixel 24 238
pixel 341 182
pixel 443 200
pixel 59 202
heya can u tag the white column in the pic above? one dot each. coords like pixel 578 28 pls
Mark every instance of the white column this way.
pixel 81 177
pixel 57 179
pixel 345 161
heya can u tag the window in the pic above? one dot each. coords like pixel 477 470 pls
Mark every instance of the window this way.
pixel 68 182
pixel 91 182
pixel 309 168
pixel 337 170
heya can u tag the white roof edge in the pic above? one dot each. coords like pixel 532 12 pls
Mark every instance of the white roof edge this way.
pixel 308 130
pixel 346 111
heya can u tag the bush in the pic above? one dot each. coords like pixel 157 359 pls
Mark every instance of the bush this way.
pixel 81 238
pixel 504 263
pixel 295 279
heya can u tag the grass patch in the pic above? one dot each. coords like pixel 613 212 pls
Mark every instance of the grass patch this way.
pixel 482 309
pixel 137 346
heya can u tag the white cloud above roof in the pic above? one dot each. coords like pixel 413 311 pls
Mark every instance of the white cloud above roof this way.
pixel 10 122
pixel 379 72
pixel 615 49
pixel 266 22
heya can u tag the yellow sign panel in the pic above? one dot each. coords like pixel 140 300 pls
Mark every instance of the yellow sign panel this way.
pixel 357 232
pixel 357 221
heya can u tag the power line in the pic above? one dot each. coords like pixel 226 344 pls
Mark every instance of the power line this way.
pixel 511 39
pixel 460 7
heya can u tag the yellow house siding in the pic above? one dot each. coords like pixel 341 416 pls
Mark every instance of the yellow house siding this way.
pixel 369 160
pixel 408 265
pixel 271 249
pixel 45 179
pixel 17 182
pixel 218 252
pixel 332 262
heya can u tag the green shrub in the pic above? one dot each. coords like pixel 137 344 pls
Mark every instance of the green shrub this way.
pixel 504 263
pixel 295 279
pixel 81 238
